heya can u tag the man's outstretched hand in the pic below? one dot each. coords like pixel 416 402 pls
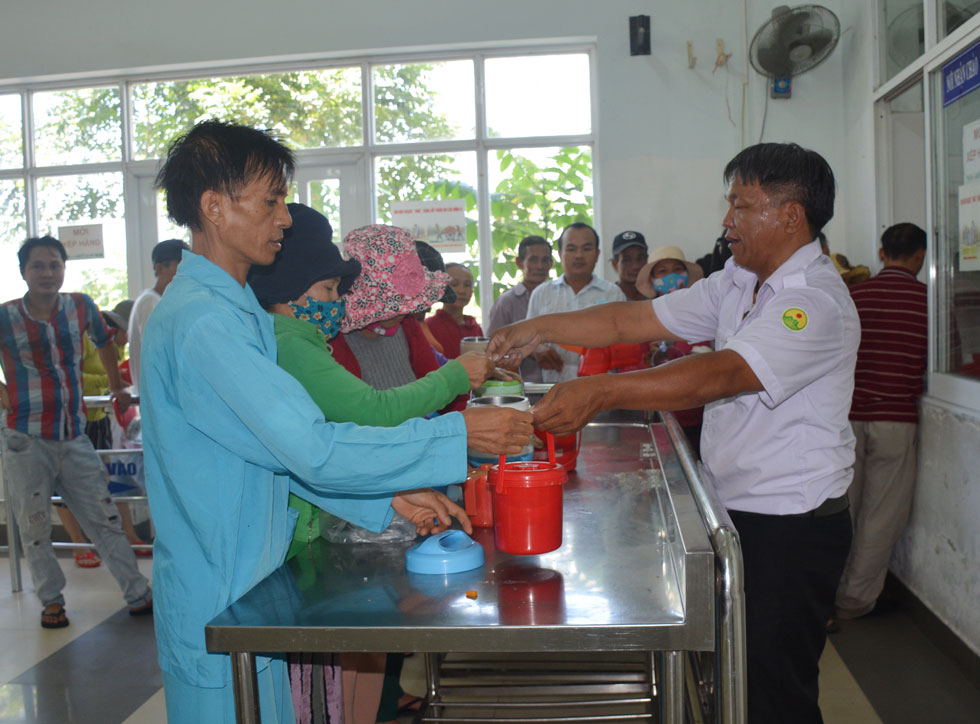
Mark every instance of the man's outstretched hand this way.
pixel 511 344
pixel 569 406
pixel 431 512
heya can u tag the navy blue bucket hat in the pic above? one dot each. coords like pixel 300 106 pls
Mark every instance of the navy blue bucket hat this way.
pixel 308 255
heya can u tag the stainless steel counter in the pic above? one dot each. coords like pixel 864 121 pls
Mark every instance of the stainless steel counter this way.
pixel 635 572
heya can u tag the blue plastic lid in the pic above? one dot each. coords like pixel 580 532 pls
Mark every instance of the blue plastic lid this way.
pixel 451 551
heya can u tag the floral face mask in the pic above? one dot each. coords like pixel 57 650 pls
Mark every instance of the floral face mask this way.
pixel 670 283
pixel 325 315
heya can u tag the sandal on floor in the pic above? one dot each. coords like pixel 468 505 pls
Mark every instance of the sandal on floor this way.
pixel 54 619
pixel 411 706
pixel 142 552
pixel 142 609
pixel 87 559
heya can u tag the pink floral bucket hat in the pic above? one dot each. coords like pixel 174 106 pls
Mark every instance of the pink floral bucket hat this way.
pixel 392 281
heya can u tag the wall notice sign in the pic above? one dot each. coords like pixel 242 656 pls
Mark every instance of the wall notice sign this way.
pixel 439 223
pixel 971 152
pixel 961 75
pixel 969 227
pixel 83 241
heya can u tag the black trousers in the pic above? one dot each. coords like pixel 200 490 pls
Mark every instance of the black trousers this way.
pixel 792 567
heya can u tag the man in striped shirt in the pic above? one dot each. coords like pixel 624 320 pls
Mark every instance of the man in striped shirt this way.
pixel 888 380
pixel 45 448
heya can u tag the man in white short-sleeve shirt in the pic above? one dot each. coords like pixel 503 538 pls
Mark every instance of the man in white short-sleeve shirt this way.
pixel 776 442
pixel 166 257
pixel 577 288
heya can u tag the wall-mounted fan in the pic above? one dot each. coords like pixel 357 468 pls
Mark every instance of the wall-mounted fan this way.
pixel 793 41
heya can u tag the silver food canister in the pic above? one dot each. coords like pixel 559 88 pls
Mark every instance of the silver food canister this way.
pixel 517 402
pixel 473 344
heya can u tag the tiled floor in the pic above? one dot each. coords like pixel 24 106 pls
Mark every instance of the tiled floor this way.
pixel 102 670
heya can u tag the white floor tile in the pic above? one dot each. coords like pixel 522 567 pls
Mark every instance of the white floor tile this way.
pixel 154 711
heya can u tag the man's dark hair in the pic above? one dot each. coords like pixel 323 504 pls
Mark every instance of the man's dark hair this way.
pixel 529 241
pixel 576 225
pixel 788 172
pixel 902 240
pixel 24 253
pixel 218 156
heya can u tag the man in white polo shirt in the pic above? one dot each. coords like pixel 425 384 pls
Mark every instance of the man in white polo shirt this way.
pixel 776 443
pixel 166 256
pixel 576 288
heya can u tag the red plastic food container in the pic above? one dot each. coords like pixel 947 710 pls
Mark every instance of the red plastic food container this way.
pixel 624 356
pixel 566 449
pixel 527 506
pixel 595 361
pixel 477 498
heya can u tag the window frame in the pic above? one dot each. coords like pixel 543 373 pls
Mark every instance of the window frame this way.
pixel 363 157
pixel 948 389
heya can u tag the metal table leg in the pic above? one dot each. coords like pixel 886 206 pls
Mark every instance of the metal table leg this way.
pixel 672 687
pixel 246 687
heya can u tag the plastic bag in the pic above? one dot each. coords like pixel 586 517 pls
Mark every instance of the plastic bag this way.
pixel 338 530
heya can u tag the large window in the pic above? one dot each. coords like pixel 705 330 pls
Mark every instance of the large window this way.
pixel 957 191
pixel 509 133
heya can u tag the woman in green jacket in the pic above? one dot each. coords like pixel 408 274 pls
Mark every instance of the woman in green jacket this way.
pixel 304 291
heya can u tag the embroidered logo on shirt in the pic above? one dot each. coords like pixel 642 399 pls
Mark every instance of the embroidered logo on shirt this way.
pixel 794 319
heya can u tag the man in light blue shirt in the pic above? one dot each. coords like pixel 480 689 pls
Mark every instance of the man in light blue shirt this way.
pixel 777 445
pixel 227 434
pixel 576 288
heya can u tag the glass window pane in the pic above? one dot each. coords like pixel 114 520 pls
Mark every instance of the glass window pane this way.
pixel 13 232
pixel 958 247
pixel 557 87
pixel 954 14
pixel 306 109
pixel 904 38
pixel 166 228
pixel 77 126
pixel 325 198
pixel 535 191
pixel 88 199
pixel 424 101
pixel 432 177
pixel 11 133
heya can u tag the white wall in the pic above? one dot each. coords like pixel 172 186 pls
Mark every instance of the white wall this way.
pixel 665 131
pixel 937 556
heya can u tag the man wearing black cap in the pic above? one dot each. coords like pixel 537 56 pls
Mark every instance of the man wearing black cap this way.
pixel 629 255
pixel 166 257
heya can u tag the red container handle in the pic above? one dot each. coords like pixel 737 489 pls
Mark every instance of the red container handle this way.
pixel 500 474
pixel 551 447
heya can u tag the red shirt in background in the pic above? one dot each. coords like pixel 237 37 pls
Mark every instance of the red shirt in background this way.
pixel 450 334
pixel 891 361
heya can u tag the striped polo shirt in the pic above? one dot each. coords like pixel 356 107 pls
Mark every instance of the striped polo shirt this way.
pixel 42 364
pixel 891 362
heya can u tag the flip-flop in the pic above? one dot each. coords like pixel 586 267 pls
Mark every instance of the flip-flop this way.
pixel 142 609
pixel 412 705
pixel 55 619
pixel 142 552
pixel 87 559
